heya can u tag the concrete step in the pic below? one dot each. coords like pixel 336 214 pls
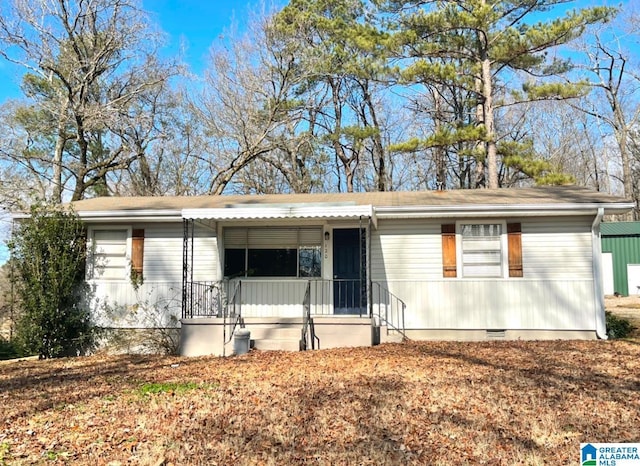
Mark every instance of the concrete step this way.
pixel 275 333
pixel 277 344
pixel 273 321
pixel 393 337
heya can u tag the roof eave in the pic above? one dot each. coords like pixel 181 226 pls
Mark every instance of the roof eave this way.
pixel 343 212
pixel 147 215
pixel 489 210
pixel 284 212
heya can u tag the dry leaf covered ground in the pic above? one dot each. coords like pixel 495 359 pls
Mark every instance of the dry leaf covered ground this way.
pixel 411 403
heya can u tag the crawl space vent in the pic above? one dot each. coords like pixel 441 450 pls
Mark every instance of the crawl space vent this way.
pixel 495 334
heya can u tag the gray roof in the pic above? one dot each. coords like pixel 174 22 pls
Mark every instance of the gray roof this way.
pixel 538 196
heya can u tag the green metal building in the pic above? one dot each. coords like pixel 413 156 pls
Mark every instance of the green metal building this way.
pixel 622 241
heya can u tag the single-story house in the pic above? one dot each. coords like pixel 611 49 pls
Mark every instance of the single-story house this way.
pixel 621 258
pixel 347 269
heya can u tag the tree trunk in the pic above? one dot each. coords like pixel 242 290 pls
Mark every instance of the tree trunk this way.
pixel 378 148
pixel 439 151
pixel 622 138
pixel 479 181
pixel 58 152
pixel 487 93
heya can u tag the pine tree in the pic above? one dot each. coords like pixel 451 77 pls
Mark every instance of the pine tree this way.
pixel 474 44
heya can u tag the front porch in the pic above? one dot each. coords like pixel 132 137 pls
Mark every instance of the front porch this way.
pixel 289 315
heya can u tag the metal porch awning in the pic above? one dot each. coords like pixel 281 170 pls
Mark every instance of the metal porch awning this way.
pixel 292 211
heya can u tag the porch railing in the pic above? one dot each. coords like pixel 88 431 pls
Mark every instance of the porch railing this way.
pixel 232 313
pixel 388 308
pixel 205 299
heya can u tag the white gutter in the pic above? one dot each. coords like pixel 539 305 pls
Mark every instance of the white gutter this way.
pixel 601 321
pixel 146 215
pixel 493 210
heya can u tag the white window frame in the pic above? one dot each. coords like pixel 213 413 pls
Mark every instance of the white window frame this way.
pixel 126 273
pixel 504 252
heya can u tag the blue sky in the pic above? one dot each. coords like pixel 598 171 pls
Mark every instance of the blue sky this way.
pixel 194 23
pixel 197 23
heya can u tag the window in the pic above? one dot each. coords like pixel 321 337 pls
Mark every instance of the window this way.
pixel 234 262
pixel 481 246
pixel 108 254
pixel 272 252
pixel 482 250
pixel 272 263
pixel 310 261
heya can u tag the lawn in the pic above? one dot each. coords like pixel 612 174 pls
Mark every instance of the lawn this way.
pixel 411 403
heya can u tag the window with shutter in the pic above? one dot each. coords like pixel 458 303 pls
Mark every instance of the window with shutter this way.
pixel 489 249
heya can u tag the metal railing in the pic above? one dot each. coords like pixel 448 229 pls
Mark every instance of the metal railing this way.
pixel 338 296
pixel 388 308
pixel 205 299
pixel 233 312
pixel 308 327
pixel 282 298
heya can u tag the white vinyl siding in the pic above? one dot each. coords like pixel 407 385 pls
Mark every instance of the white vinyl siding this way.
pixel 501 303
pixel 558 248
pixel 406 250
pixel 163 253
pixel 163 244
pixel 108 254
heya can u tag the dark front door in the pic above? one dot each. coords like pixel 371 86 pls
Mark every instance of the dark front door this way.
pixel 349 271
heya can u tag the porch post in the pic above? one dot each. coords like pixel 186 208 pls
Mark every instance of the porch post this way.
pixel 369 279
pixel 185 228
pixel 187 269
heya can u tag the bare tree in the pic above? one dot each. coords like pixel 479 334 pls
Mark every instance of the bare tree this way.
pixel 88 65
pixel 615 79
pixel 250 111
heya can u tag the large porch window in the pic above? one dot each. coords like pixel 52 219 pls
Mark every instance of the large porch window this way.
pixel 272 252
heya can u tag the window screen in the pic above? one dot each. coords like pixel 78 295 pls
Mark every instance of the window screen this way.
pixel 482 250
pixel 109 254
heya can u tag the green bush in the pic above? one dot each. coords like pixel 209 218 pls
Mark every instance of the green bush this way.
pixel 49 251
pixel 618 327
pixel 8 350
